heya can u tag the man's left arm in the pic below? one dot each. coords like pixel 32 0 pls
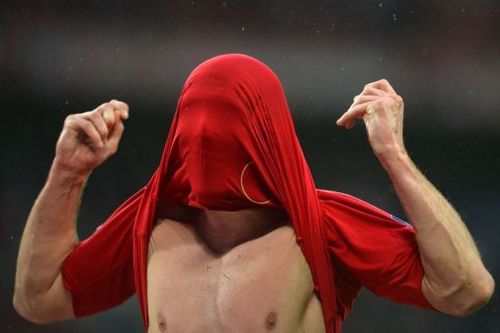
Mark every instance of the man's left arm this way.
pixel 455 280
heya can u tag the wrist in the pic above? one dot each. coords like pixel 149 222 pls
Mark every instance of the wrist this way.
pixel 392 158
pixel 69 177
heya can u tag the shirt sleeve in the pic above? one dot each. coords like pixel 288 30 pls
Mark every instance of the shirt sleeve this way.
pixel 372 248
pixel 99 271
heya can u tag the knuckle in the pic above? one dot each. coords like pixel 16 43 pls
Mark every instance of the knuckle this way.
pixel 121 105
pixel 69 118
pixel 368 89
pixel 398 99
pixel 104 107
pixel 72 120
pixel 114 100
pixel 87 126
pixel 95 115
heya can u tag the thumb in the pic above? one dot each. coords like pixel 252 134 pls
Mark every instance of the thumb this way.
pixel 109 117
pixel 115 135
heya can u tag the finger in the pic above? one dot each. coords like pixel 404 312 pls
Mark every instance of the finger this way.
pixel 372 91
pixel 354 112
pixel 362 99
pixel 358 99
pixel 382 84
pixel 121 107
pixel 97 120
pixel 108 115
pixel 350 124
pixel 84 126
pixel 115 136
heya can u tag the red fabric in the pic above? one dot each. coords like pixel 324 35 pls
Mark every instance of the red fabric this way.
pixel 231 146
pixel 370 248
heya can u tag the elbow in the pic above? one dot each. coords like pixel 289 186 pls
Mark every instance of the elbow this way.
pixel 469 297
pixel 479 293
pixel 27 308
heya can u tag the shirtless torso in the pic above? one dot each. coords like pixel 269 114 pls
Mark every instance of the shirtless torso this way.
pixel 239 271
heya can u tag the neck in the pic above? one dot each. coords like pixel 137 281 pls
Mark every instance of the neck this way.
pixel 224 230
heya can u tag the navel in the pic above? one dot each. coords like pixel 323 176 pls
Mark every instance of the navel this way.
pixel 162 323
pixel 271 320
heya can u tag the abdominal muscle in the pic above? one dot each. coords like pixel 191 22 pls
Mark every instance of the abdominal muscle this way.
pixel 263 284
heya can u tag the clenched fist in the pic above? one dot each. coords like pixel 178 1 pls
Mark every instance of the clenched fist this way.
pixel 381 109
pixel 89 138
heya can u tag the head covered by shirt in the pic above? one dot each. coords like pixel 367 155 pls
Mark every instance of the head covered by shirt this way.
pixel 215 140
pixel 232 146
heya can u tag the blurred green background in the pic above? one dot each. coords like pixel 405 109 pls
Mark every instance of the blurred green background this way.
pixel 61 57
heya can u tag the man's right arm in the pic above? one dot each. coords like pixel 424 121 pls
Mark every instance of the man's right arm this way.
pixel 86 141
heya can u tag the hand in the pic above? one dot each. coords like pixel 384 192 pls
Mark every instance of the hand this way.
pixel 89 138
pixel 381 109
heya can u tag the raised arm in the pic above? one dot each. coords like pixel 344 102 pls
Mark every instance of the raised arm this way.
pixel 87 140
pixel 455 281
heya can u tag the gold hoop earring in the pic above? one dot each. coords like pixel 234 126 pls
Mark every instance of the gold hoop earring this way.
pixel 243 187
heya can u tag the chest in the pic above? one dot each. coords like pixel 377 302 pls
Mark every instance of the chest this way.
pixel 267 277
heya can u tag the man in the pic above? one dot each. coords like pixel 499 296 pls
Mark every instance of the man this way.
pixel 230 234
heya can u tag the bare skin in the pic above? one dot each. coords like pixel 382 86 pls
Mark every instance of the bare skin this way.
pixel 234 272
pixel 205 279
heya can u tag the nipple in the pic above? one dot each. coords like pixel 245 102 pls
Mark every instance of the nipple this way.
pixel 271 320
pixel 162 323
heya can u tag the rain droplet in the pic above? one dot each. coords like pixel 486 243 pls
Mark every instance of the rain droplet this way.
pixel 380 5
pixel 394 18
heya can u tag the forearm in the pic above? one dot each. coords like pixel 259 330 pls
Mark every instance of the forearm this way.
pixel 455 279
pixel 49 235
